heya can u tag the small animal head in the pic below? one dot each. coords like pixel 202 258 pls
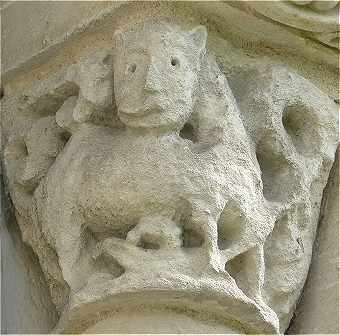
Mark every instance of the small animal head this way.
pixel 156 72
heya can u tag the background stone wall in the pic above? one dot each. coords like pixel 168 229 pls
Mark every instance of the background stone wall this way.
pixel 25 302
pixel 318 311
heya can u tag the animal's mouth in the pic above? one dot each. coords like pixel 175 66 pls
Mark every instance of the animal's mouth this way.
pixel 150 106
pixel 138 112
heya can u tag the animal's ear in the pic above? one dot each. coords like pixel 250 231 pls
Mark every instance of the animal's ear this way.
pixel 118 40
pixel 199 37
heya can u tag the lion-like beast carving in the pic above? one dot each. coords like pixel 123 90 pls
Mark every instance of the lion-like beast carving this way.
pixel 168 183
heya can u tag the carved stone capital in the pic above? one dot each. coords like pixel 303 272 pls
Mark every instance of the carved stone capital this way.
pixel 149 175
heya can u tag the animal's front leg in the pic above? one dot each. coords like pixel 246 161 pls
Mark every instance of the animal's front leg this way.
pixel 125 254
pixel 204 223
pixel 152 239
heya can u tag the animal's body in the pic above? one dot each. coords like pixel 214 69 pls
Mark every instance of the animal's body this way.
pixel 122 182
pixel 115 178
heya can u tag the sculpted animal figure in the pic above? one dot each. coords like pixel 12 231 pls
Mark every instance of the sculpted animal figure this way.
pixel 178 173
pixel 146 177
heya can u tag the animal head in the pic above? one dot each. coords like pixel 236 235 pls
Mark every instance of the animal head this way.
pixel 156 72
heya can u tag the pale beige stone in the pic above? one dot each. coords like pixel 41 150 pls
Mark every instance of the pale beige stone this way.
pixel 318 309
pixel 320 19
pixel 156 322
pixel 146 174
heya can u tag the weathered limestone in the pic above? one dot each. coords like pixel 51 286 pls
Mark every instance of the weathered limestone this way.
pixel 318 311
pixel 317 19
pixel 25 301
pixel 160 172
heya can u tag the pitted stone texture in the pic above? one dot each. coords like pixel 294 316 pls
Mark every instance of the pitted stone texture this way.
pixel 293 128
pixel 318 308
pixel 316 19
pixel 168 189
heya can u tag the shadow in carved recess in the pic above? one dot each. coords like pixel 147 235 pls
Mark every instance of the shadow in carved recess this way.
pixel 278 175
pixel 189 133
pixel 300 124
pixel 231 225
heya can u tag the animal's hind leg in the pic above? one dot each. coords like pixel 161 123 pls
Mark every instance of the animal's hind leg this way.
pixel 248 271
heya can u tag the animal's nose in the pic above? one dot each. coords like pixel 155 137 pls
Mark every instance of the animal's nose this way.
pixel 153 77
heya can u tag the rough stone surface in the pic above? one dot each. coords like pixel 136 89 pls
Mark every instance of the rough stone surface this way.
pixel 318 310
pixel 26 305
pixel 319 19
pixel 166 169
pixel 27 43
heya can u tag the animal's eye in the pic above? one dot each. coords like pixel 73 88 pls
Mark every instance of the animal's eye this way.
pixel 132 68
pixel 174 61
